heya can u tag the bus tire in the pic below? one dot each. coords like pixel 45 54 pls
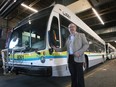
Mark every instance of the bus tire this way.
pixel 86 64
pixel 103 58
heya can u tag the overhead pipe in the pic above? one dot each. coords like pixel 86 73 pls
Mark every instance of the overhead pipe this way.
pixel 3 2
pixel 10 8
pixel 5 5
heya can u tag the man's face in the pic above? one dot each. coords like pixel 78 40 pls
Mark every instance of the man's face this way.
pixel 72 28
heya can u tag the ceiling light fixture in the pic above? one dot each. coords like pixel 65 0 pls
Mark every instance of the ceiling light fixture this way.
pixel 15 0
pixel 26 6
pixel 98 16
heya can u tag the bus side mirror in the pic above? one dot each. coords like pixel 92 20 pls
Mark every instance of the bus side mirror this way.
pixel 50 51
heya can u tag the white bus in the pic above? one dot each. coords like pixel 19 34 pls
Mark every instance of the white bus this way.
pixel 110 51
pixel 29 46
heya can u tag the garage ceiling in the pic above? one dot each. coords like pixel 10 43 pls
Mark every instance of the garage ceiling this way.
pixel 106 9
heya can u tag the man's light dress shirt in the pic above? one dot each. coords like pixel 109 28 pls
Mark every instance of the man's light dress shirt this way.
pixel 71 39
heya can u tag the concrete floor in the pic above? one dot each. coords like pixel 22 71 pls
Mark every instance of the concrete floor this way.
pixel 103 75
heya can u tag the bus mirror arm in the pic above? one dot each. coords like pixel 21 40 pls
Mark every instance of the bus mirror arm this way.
pixel 50 50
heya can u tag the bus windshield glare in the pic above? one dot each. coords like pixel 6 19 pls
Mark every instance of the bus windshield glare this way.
pixel 30 35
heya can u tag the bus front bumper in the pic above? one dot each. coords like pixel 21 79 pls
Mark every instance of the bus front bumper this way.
pixel 32 70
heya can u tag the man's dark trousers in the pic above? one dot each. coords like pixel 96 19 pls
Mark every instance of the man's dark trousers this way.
pixel 77 74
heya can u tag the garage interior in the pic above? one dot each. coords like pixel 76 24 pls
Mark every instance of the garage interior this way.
pixel 102 75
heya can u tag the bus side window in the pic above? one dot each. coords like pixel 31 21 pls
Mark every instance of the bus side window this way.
pixel 54 33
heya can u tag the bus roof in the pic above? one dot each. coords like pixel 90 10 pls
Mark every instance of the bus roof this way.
pixel 34 16
pixel 64 11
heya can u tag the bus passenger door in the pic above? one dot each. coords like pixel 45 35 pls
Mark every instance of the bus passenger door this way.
pixel 54 33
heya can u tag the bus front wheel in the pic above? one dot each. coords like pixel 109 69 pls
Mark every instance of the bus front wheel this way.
pixel 86 63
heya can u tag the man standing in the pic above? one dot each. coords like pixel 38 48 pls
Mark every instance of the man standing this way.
pixel 75 45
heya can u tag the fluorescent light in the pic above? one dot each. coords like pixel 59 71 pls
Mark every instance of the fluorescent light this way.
pixel 15 0
pixel 98 16
pixel 26 6
pixel 115 41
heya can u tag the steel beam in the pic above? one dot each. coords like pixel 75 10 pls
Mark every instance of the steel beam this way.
pixel 106 30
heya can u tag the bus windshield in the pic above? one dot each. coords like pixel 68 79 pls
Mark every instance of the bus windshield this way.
pixel 31 35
